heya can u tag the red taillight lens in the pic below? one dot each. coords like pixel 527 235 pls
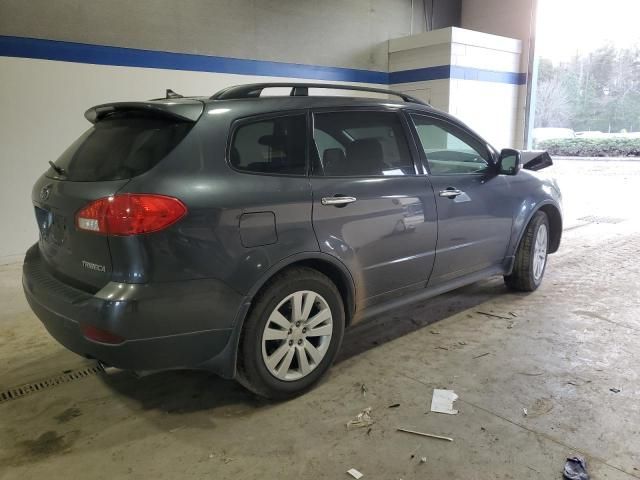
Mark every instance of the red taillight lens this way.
pixel 130 214
pixel 96 334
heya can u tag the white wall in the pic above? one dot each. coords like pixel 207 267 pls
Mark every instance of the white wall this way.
pixel 42 112
pixel 489 107
pixel 514 19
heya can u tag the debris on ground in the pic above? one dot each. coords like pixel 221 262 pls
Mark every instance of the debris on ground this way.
pixel 423 434
pixel 354 473
pixel 513 314
pixel 541 406
pixel 615 390
pixel 434 332
pixel 525 412
pixel 511 324
pixel 482 355
pixel 394 405
pixel 423 459
pixel 578 383
pixel 576 468
pixel 442 401
pixel 462 343
pixel 442 347
pixel 493 315
pixel 363 389
pixel 363 419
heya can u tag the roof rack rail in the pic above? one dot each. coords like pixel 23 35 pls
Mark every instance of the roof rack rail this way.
pixel 254 90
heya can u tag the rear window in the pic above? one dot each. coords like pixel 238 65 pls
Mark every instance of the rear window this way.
pixel 120 147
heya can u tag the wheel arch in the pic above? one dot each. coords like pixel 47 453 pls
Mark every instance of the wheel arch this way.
pixel 326 264
pixel 554 215
pixel 555 225
pixel 225 364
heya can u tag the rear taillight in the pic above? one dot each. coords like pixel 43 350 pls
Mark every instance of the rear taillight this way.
pixel 96 334
pixel 130 214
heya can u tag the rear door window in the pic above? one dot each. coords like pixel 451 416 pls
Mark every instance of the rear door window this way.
pixel 361 143
pixel 120 147
pixel 271 146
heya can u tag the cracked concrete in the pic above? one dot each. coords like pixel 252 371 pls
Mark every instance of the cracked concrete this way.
pixel 557 352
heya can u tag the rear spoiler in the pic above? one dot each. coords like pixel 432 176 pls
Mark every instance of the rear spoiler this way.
pixel 535 159
pixel 186 110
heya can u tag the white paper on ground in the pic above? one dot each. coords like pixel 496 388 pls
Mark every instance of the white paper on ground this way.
pixel 354 473
pixel 442 401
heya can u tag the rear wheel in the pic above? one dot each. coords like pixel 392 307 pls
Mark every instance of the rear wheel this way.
pixel 531 257
pixel 292 334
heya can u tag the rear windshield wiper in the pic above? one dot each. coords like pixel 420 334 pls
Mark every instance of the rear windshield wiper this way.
pixel 59 170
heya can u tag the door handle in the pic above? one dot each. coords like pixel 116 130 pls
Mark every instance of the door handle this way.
pixel 337 201
pixel 450 192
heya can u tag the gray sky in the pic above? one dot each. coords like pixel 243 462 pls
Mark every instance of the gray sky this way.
pixel 569 26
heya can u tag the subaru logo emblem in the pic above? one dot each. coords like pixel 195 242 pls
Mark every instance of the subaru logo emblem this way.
pixel 44 193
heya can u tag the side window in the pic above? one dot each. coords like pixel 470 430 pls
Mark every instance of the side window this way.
pixel 362 143
pixel 274 145
pixel 449 151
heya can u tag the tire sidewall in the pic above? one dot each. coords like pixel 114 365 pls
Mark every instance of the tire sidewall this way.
pixel 540 219
pixel 252 344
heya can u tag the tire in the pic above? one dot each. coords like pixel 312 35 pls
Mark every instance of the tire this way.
pixel 527 272
pixel 261 361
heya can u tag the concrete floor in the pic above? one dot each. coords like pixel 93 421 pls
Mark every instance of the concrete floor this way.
pixel 557 353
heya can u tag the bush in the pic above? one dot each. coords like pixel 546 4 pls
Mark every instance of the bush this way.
pixel 592 147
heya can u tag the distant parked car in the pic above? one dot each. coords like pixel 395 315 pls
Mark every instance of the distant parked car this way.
pixel 551 133
pixel 591 134
pixel 241 235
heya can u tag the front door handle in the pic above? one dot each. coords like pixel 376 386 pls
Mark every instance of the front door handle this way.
pixel 450 192
pixel 338 201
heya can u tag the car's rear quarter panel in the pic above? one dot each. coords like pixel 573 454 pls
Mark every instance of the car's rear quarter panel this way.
pixel 207 242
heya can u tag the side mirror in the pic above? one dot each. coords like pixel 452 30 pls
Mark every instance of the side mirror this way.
pixel 509 162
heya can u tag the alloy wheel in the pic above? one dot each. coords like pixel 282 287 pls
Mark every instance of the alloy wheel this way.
pixel 540 252
pixel 297 335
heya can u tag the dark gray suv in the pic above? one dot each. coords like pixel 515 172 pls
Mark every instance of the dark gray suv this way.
pixel 242 233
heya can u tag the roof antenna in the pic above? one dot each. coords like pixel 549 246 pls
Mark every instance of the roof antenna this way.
pixel 172 94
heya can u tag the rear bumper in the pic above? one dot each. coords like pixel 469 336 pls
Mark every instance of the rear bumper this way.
pixel 165 325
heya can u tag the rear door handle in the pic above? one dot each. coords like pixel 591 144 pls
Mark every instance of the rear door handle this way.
pixel 450 192
pixel 338 201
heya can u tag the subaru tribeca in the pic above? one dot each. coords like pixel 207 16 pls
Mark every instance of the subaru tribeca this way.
pixel 242 233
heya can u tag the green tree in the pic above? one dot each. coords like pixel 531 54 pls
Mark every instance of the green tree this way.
pixel 598 91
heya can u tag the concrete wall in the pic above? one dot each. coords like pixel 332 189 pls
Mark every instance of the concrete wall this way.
pixel 472 75
pixel 514 19
pixel 303 31
pixel 43 98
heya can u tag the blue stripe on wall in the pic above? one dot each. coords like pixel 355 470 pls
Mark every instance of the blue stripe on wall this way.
pixel 420 74
pixel 467 73
pixel 443 72
pixel 132 57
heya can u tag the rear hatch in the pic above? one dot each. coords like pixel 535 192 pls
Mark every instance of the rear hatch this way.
pixel 126 140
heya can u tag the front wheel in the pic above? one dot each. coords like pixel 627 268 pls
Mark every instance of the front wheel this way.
pixel 291 335
pixel 531 257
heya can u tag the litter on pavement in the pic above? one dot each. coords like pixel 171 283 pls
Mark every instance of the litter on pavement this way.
pixel 423 434
pixel 575 468
pixel 442 401
pixel 354 473
pixel 363 419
